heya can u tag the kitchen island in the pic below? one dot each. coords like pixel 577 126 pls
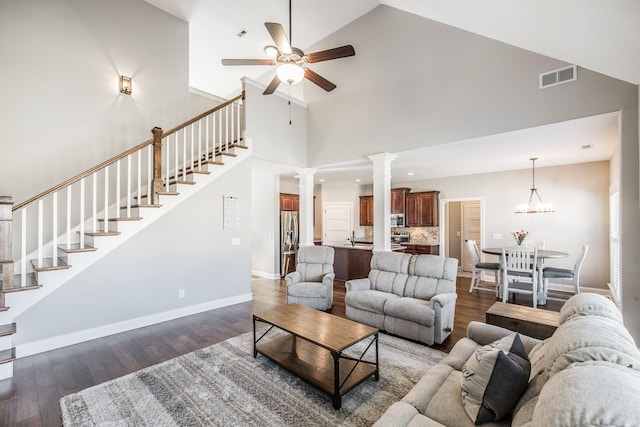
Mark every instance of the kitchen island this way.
pixel 354 261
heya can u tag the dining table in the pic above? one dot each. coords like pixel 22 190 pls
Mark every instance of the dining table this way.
pixel 543 254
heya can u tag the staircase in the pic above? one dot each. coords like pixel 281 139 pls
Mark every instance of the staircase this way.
pixel 50 238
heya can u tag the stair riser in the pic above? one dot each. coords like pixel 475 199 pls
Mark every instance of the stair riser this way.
pixel 6 370
pixel 6 342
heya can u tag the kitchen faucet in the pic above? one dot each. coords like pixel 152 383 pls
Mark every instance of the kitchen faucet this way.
pixel 353 238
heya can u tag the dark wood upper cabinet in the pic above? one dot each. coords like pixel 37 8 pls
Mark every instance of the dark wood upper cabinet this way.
pixel 289 202
pixel 366 210
pixel 398 196
pixel 422 209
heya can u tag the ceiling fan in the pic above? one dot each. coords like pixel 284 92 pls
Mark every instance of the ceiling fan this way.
pixel 291 61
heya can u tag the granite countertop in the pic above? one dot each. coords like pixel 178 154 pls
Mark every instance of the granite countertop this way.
pixel 364 246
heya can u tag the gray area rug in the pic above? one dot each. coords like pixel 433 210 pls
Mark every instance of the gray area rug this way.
pixel 223 385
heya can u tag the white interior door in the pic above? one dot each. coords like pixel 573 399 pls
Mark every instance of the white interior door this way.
pixel 337 224
pixel 470 230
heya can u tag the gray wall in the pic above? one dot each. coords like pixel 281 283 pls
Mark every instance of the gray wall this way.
pixel 279 148
pixel 415 82
pixel 61 109
pixel 185 249
pixel 580 197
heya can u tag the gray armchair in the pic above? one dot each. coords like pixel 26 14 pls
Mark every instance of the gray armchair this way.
pixel 312 282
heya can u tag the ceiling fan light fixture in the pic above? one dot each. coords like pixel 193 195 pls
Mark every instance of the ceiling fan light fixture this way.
pixel 271 51
pixel 290 73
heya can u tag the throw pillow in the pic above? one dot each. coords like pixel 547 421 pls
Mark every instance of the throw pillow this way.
pixel 494 378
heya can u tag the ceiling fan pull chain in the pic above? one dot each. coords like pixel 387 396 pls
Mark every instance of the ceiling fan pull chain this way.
pixel 289 105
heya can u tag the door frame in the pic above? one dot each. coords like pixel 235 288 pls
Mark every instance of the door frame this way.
pixel 444 224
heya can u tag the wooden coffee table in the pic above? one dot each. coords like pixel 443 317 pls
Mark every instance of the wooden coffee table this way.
pixel 313 348
pixel 534 322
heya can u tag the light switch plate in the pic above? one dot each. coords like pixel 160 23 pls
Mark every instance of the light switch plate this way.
pixel 497 236
pixel 235 241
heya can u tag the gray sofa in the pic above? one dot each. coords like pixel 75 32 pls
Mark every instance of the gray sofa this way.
pixel 586 374
pixel 413 296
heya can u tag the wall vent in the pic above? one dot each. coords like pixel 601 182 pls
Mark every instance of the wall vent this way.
pixel 559 76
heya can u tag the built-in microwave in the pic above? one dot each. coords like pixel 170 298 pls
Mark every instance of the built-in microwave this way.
pixel 397 220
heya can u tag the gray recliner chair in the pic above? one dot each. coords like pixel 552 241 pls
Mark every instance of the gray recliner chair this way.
pixel 312 282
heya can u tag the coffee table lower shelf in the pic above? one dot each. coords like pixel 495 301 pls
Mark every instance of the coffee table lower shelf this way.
pixel 324 369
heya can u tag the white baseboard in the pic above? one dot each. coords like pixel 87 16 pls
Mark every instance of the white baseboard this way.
pixel 47 344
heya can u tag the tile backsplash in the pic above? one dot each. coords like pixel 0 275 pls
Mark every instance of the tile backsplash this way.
pixel 417 235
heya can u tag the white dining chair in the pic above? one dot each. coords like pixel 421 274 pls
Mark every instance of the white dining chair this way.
pixel 474 253
pixel 519 266
pixel 565 273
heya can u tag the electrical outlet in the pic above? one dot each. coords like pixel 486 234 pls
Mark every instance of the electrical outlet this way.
pixel 181 293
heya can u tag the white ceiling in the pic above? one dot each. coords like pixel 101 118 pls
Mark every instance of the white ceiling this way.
pixel 598 35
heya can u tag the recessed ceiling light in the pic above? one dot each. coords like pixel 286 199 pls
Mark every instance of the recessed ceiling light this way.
pixel 586 146
pixel 357 179
pixel 296 176
pixel 410 173
pixel 322 180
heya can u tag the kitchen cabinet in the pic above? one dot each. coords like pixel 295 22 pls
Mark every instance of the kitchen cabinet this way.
pixel 366 210
pixel 350 263
pixel 421 249
pixel 289 202
pixel 422 209
pixel 398 196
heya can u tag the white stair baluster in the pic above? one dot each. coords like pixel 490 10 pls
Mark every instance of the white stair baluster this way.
pixel 23 249
pixel 54 228
pixel 82 201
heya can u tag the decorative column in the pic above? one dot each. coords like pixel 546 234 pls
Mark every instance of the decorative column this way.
pixel 382 200
pixel 306 206
pixel 6 258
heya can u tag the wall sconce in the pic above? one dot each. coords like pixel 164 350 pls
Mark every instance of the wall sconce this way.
pixel 125 85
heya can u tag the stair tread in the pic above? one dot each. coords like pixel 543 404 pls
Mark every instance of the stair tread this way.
pixel 141 205
pixel 102 233
pixel 47 264
pixel 215 162
pixel 123 218
pixel 21 288
pixel 8 329
pixel 75 247
pixel 168 193
pixel 238 146
pixel 8 355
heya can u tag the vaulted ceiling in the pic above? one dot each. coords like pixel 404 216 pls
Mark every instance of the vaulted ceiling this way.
pixel 601 36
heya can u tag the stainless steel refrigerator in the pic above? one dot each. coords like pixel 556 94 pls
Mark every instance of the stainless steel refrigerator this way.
pixel 288 241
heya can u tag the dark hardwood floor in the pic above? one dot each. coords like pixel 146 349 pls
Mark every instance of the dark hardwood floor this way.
pixel 31 397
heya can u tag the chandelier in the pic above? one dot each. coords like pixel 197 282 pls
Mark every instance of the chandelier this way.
pixel 540 206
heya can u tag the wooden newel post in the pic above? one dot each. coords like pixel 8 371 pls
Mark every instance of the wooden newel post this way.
pixel 6 261
pixel 157 165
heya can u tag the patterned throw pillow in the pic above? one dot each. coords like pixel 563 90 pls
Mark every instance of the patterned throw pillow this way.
pixel 494 378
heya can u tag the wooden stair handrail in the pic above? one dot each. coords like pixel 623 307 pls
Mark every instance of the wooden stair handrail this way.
pixel 121 156
pixel 200 116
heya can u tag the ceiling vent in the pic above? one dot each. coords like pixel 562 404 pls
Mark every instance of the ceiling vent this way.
pixel 559 76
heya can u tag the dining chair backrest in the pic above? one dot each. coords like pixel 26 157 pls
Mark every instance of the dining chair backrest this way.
pixel 578 265
pixel 474 253
pixel 519 259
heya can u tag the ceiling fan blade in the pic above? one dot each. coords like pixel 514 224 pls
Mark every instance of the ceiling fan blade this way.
pixel 316 78
pixel 325 55
pixel 272 86
pixel 248 62
pixel 279 36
